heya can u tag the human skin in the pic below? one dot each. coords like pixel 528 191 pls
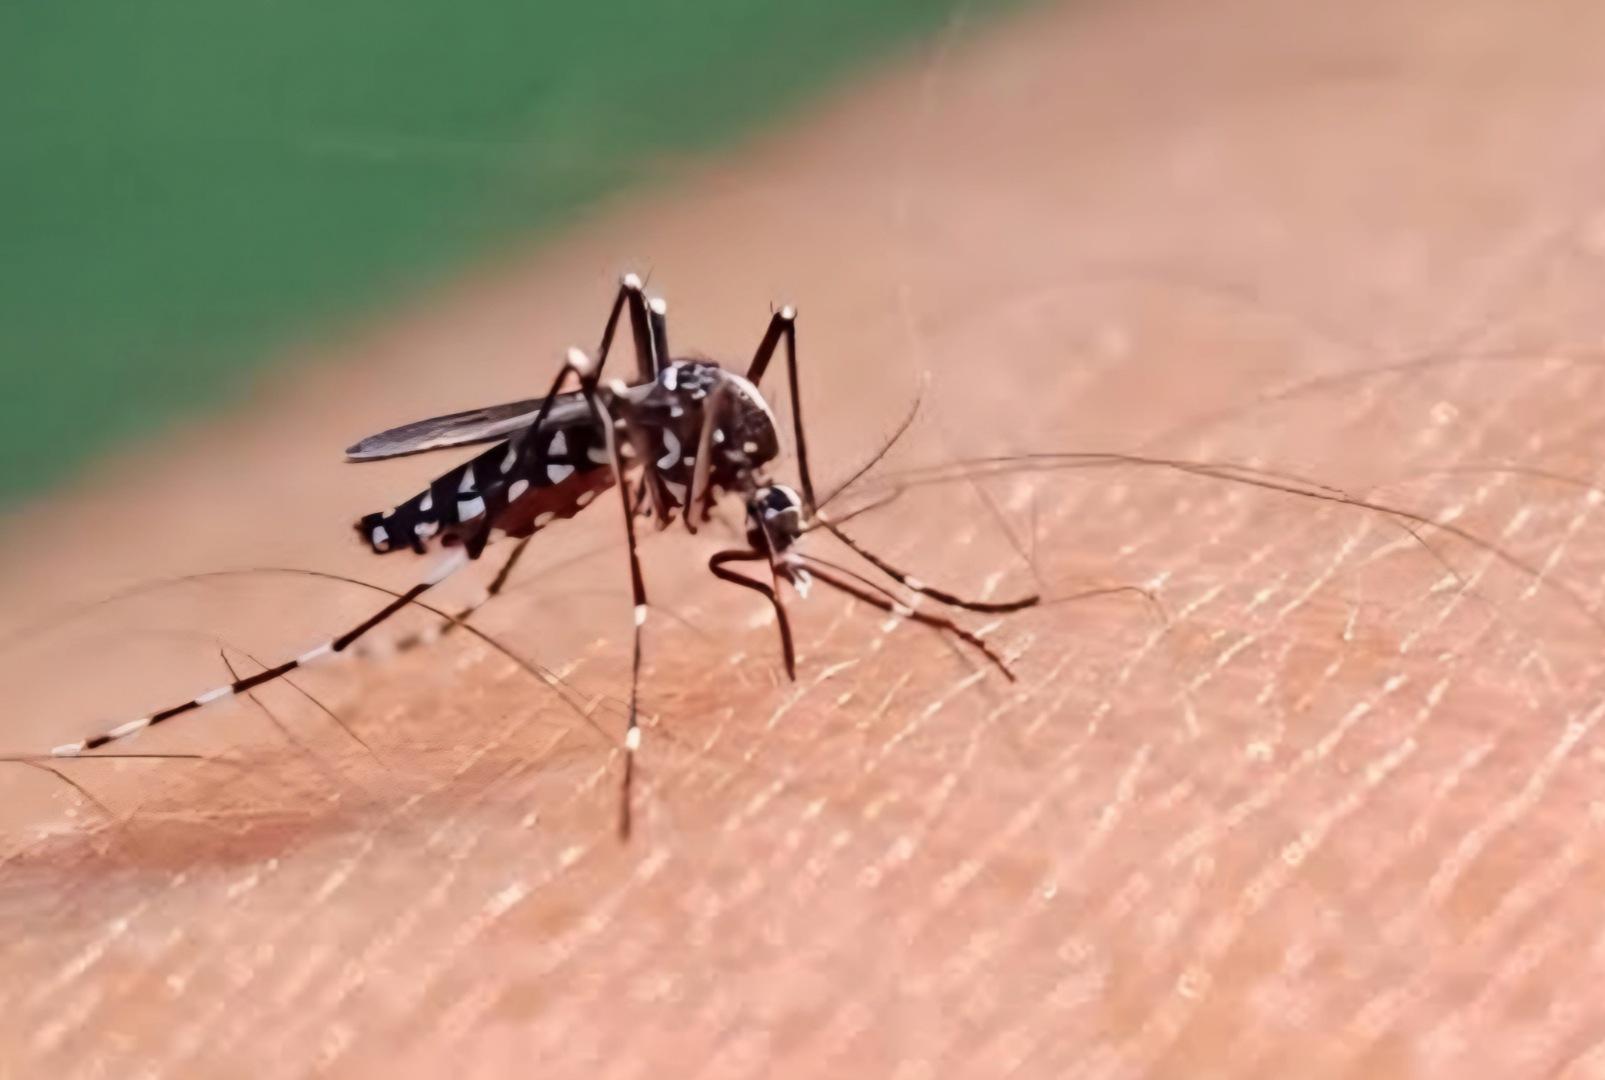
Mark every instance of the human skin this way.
pixel 1324 800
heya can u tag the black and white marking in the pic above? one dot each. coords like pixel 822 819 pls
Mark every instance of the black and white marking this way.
pixel 687 428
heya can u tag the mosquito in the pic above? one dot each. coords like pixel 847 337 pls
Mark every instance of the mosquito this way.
pixel 684 433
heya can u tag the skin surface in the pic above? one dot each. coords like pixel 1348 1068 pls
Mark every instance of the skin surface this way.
pixel 1329 805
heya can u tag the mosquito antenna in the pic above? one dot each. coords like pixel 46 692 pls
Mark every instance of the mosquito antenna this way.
pixel 565 692
pixel 859 511
pixel 44 623
pixel 1028 554
pixel 879 455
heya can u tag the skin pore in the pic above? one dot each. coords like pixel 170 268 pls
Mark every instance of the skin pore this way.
pixel 1329 806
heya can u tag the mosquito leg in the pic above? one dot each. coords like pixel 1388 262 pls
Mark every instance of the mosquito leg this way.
pixel 699 501
pixel 783 328
pixel 455 561
pixel 312 755
pixel 495 587
pixel 658 318
pixel 330 713
pixel 632 732
pixel 913 583
pixel 870 593
pixel 716 564
pixel 877 457
pixel 629 295
pixel 647 359
pixel 652 482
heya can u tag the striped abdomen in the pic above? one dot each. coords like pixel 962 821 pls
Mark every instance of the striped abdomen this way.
pixel 514 487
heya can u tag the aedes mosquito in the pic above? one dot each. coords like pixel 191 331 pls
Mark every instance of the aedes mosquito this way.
pixel 687 429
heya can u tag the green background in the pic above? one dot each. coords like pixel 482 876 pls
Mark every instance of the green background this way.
pixel 184 181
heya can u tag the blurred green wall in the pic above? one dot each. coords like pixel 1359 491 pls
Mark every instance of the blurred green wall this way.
pixel 183 181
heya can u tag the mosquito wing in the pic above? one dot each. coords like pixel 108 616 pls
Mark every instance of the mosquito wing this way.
pixel 464 428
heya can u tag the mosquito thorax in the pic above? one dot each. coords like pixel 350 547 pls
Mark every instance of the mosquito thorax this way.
pixel 748 436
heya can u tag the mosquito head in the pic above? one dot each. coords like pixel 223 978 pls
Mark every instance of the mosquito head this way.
pixel 774 525
pixel 774 518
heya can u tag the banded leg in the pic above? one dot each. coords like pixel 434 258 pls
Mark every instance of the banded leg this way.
pixel 658 318
pixel 461 617
pixel 908 581
pixel 856 585
pixel 716 564
pixel 632 731
pixel 652 484
pixel 783 327
pixel 630 296
pixel 454 562
pixel 700 499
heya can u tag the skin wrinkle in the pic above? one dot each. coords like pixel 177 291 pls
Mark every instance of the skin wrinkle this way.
pixel 1226 657
pixel 1277 874
pixel 202 1030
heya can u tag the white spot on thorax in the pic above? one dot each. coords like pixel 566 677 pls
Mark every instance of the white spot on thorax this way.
pixel 672 454
pixel 516 490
